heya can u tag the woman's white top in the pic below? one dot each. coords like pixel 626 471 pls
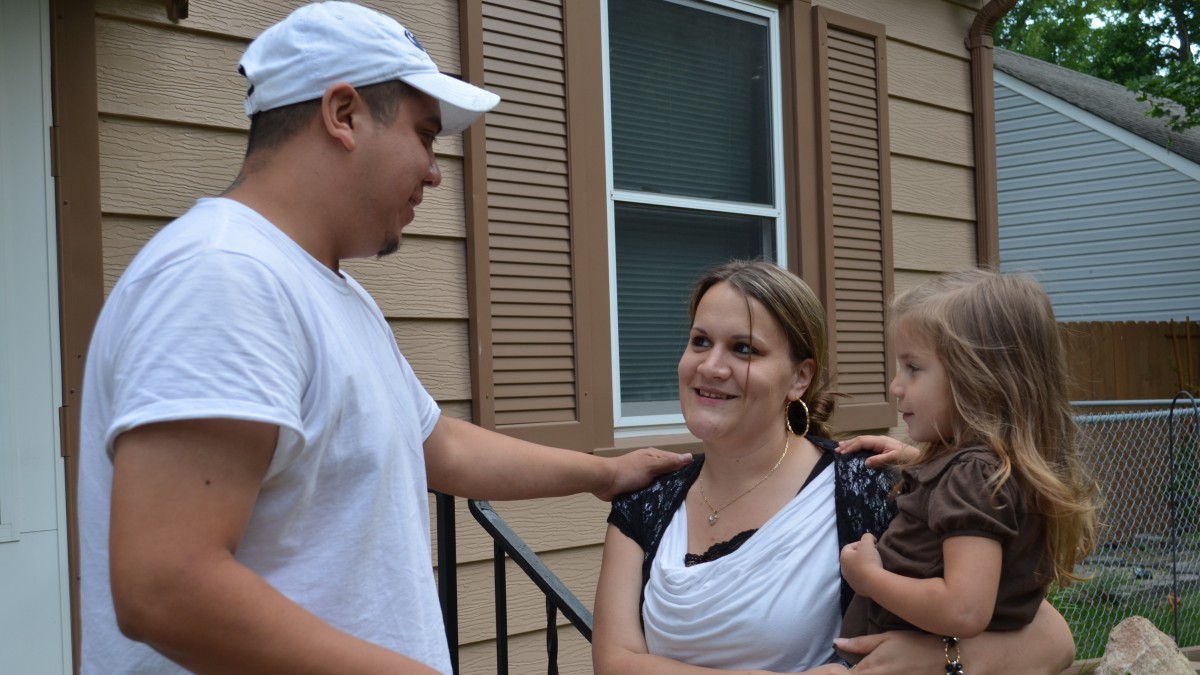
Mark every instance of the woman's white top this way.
pixel 772 604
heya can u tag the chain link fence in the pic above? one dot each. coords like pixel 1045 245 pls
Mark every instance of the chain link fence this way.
pixel 1145 455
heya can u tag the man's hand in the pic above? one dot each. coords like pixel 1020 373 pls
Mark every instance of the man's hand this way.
pixel 636 469
pixel 858 560
pixel 888 451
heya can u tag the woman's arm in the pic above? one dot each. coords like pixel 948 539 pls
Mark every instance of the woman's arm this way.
pixel 618 644
pixel 1044 647
pixel 960 603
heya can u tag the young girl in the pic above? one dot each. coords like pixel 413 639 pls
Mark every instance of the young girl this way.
pixel 996 504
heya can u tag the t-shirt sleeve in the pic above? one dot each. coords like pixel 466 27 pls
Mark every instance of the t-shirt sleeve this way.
pixel 963 505
pixel 211 336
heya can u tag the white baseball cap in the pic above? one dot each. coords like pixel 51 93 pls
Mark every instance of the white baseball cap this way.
pixel 325 43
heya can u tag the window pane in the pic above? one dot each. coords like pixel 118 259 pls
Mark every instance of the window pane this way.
pixel 690 96
pixel 661 252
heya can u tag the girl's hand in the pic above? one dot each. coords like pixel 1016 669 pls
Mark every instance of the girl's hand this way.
pixel 858 559
pixel 887 450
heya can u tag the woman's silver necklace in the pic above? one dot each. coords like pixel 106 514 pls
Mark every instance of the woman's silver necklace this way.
pixel 712 519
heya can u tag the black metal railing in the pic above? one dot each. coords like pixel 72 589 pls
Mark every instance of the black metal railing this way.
pixel 506 543
pixel 447 571
pixel 559 598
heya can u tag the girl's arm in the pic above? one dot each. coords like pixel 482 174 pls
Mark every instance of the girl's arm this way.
pixel 618 644
pixel 1044 647
pixel 888 450
pixel 960 604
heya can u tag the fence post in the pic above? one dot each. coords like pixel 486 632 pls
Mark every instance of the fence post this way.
pixel 1171 504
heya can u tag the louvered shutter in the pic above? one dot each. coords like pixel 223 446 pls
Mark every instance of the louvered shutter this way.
pixel 528 272
pixel 855 212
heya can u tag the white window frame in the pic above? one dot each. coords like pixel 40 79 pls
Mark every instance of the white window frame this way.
pixel 626 426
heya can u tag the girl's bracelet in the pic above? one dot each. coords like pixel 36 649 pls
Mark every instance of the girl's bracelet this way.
pixel 953 665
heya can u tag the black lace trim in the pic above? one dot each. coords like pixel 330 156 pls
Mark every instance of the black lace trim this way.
pixel 719 549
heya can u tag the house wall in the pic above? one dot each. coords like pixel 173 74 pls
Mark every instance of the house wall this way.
pixel 1108 222
pixel 171 130
pixel 541 215
pixel 932 153
pixel 929 100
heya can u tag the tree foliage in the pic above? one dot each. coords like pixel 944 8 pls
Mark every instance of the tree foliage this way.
pixel 1147 45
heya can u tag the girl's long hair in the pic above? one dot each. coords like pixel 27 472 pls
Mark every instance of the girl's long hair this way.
pixel 999 344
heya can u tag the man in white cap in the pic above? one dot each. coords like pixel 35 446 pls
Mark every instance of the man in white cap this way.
pixel 256 451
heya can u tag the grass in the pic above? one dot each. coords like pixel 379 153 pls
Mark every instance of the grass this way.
pixel 1094 607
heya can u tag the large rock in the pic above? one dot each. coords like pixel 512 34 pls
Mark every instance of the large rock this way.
pixel 1136 647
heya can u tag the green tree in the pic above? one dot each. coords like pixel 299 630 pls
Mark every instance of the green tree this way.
pixel 1147 45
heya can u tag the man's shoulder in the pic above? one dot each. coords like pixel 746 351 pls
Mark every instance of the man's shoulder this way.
pixel 215 233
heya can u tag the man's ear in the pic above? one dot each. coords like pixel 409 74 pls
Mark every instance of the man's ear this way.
pixel 341 110
pixel 805 370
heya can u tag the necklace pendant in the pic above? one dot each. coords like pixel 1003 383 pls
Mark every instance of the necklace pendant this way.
pixel 712 520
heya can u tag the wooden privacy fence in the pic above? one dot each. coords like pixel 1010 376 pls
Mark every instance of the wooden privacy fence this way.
pixel 1127 360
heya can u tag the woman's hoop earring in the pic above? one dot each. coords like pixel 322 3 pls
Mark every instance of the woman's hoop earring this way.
pixel 787 417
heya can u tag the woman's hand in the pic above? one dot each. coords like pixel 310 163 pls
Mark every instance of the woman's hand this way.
pixel 887 450
pixel 829 669
pixel 1044 647
pixel 894 653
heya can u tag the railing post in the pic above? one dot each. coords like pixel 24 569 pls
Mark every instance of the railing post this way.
pixel 551 637
pixel 447 572
pixel 501 610
pixel 558 596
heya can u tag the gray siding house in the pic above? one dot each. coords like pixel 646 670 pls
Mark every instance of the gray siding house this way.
pixel 1099 201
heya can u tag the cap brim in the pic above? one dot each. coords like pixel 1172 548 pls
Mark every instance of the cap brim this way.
pixel 461 102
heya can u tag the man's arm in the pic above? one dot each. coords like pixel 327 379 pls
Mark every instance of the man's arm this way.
pixel 469 461
pixel 182 495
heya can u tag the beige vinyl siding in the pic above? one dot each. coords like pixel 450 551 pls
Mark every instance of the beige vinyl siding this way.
pixel 566 533
pixel 435 22
pixel 172 130
pixel 913 234
pixel 527 654
pixel 929 99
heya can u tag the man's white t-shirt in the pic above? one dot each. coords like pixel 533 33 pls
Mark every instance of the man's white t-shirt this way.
pixel 222 315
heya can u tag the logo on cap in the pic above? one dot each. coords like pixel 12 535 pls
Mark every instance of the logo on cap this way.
pixel 242 70
pixel 413 39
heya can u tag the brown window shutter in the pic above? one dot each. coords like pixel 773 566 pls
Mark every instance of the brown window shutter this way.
pixel 855 212
pixel 528 271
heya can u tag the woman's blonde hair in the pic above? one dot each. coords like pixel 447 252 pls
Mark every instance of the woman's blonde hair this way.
pixel 800 316
pixel 999 344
